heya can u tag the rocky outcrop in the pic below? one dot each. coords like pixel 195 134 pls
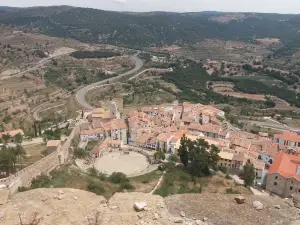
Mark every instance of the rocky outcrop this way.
pixel 77 207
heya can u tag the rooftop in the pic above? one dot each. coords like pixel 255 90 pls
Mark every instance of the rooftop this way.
pixel 286 165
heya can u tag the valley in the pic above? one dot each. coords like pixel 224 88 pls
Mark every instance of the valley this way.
pixel 191 116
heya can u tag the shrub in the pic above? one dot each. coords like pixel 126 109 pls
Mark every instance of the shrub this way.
pixel 96 188
pixel 223 169
pixel 228 177
pixel 93 172
pixel 80 153
pixel 231 191
pixel 173 158
pixel 127 186
pixel 42 181
pixel 102 176
pixel 118 177
pixel 22 188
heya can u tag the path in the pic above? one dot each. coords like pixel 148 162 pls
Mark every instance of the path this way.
pixel 80 94
pixel 34 141
pixel 158 183
pixel 56 54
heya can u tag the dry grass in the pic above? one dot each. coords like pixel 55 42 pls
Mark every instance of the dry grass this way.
pixel 33 153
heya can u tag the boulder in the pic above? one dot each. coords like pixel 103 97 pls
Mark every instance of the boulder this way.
pixel 296 200
pixel 182 214
pixel 289 201
pixel 277 206
pixel 139 206
pixel 257 205
pixel 205 219
pixel 240 199
pixel 178 220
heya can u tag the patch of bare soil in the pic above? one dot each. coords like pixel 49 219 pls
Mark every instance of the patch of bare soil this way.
pixel 227 89
pixel 222 209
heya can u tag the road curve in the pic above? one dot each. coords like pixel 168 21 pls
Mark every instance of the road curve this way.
pixel 80 94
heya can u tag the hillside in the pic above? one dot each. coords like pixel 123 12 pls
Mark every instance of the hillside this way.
pixel 144 29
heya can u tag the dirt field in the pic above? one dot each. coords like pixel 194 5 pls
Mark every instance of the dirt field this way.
pixel 227 89
pixel 33 153
pixel 222 209
pixel 130 164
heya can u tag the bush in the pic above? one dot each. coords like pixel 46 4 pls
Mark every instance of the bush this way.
pixel 118 177
pixel 102 176
pixel 96 188
pixel 223 169
pixel 145 181
pixel 228 177
pixel 42 181
pixel 126 186
pixel 173 158
pixel 231 191
pixel 22 188
pixel 80 153
pixel 93 172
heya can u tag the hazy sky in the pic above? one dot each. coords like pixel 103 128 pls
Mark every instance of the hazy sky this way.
pixel 279 6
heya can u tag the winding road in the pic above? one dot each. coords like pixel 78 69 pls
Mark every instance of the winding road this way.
pixel 80 94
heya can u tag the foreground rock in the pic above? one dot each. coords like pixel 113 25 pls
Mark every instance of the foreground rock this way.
pixel 240 199
pixel 257 205
pixel 76 207
pixel 221 209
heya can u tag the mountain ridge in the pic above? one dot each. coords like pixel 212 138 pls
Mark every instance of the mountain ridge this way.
pixel 153 28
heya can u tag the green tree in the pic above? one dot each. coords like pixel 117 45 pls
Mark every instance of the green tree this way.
pixel 18 138
pixel 249 174
pixel 199 158
pixel 159 155
pixel 7 160
pixel 6 138
pixel 183 151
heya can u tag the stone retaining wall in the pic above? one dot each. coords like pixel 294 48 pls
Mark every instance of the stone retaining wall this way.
pixel 45 165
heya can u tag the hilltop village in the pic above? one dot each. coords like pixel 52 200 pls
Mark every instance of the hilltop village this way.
pixel 160 128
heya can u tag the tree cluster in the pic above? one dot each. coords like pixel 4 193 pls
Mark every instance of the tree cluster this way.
pixel 198 156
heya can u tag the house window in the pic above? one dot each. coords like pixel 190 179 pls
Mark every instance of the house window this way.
pixel 291 187
pixel 275 183
pixel 276 177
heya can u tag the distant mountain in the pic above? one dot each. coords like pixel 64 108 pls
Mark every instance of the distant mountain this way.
pixel 144 29
pixel 8 9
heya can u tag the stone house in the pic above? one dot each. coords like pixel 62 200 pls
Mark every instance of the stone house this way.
pixel 53 145
pixel 283 177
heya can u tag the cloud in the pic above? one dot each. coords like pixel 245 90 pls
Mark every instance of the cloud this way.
pixel 120 1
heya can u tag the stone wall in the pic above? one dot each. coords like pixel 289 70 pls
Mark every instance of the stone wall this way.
pixel 45 165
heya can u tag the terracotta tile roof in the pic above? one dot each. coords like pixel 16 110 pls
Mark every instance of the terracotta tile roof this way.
pixel 288 136
pixel 98 111
pixel 286 165
pixel 259 165
pixel 253 154
pixel 115 124
pixel 239 157
pixel 205 127
pixel 226 155
pixel 163 137
pixel 92 131
pixel 132 113
pixel 103 145
pixel 53 143
pixel 12 133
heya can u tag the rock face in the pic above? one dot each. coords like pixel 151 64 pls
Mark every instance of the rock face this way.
pixel 257 205
pixel 240 199
pixel 139 206
pixel 296 200
pixel 60 207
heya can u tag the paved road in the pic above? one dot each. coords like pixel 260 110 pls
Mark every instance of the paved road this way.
pixel 34 141
pixel 80 95
pixel 42 62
